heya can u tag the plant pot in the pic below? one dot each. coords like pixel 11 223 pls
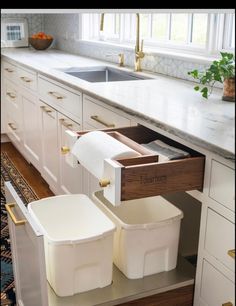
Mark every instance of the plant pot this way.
pixel 229 90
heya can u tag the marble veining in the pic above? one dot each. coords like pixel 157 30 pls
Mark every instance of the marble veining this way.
pixel 164 102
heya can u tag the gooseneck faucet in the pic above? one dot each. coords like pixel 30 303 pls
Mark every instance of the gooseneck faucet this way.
pixel 139 54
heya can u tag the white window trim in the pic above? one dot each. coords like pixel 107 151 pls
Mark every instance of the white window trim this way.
pixel 205 55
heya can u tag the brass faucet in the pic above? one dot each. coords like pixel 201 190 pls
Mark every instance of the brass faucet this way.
pixel 102 22
pixel 139 54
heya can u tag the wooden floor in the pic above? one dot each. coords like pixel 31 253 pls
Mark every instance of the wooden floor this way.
pixel 31 175
pixel 178 297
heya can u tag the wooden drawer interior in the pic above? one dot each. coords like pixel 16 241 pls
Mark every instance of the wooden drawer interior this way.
pixel 145 176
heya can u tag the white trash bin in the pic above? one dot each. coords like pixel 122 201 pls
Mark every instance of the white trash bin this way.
pixel 147 235
pixel 78 241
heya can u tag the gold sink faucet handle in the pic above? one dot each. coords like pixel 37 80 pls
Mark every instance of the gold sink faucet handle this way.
pixel 121 59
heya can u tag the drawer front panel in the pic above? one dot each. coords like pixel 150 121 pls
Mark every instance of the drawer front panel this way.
pixel 222 184
pixel 60 98
pixel 11 94
pixel 9 71
pixel 100 117
pixel 220 238
pixel 27 79
pixel 216 289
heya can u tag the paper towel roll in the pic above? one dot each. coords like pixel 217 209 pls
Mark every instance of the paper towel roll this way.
pixel 93 147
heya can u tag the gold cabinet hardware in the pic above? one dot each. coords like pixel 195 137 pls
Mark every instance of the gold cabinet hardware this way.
pixel 9 207
pixel 104 182
pixel 9 70
pixel 227 304
pixel 97 119
pixel 231 253
pixel 25 79
pixel 121 59
pixel 11 95
pixel 12 126
pixel 65 124
pixel 65 150
pixel 46 110
pixel 55 95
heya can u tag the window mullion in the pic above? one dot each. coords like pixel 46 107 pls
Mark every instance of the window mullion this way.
pixel 190 29
pixel 169 27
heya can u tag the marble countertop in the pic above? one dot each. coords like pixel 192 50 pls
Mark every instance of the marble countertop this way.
pixel 167 103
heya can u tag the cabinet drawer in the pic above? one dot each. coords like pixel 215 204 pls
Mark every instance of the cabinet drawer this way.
pixel 27 79
pixel 13 127
pixel 11 93
pixel 60 98
pixel 220 238
pixel 100 117
pixel 222 184
pixel 216 288
pixel 144 176
pixel 9 71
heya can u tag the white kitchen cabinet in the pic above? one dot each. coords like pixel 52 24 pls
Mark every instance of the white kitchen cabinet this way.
pixel 96 116
pixel 27 246
pixel 13 114
pixel 70 180
pixel 215 275
pixel 216 288
pixel 31 128
pixel 50 146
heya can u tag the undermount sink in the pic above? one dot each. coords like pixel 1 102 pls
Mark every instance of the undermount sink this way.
pixel 103 74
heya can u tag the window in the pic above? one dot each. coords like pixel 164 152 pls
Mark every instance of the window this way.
pixel 201 33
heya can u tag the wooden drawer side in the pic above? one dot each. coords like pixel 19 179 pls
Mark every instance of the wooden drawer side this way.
pixel 160 178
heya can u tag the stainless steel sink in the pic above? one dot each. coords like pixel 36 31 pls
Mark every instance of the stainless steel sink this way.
pixel 103 74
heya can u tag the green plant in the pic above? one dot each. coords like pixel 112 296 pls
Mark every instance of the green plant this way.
pixel 219 70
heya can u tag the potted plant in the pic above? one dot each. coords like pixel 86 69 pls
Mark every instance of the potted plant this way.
pixel 222 71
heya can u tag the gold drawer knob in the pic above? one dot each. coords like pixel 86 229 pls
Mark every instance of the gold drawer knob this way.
pixel 227 304
pixel 65 150
pixel 231 253
pixel 104 182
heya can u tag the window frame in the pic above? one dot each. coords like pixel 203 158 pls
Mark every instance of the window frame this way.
pixel 217 36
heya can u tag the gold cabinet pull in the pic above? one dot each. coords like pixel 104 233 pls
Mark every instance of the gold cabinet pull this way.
pixel 11 95
pixel 46 110
pixel 104 182
pixel 65 124
pixel 65 150
pixel 12 126
pixel 97 119
pixel 25 79
pixel 9 207
pixel 227 304
pixel 55 95
pixel 9 70
pixel 231 253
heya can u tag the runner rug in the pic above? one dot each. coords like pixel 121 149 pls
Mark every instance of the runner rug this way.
pixel 10 173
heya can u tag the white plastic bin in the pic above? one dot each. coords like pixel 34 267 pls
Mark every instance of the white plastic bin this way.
pixel 78 240
pixel 147 235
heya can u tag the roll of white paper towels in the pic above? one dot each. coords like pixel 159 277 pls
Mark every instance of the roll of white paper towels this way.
pixel 93 147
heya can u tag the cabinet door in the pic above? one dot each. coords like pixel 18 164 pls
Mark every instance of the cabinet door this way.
pixel 70 178
pixel 13 113
pixel 50 149
pixel 31 131
pixel 27 253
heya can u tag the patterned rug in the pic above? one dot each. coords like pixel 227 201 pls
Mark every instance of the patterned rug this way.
pixel 10 173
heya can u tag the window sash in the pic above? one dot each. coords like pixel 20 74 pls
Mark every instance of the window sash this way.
pixel 218 33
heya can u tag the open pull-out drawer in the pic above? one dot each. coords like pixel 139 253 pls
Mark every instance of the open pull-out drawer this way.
pixel 145 176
